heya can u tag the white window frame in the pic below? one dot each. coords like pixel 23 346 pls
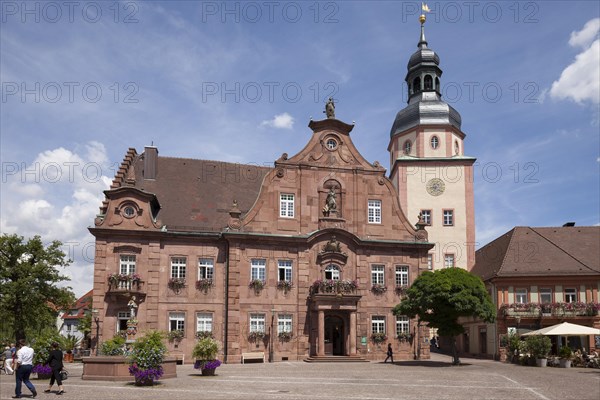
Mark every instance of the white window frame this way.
pixel 378 324
pixel 178 267
pixel 402 275
pixel 284 267
pixel 378 274
pixel 402 325
pixel 426 214
pixel 334 270
pixel 449 261
pixel 206 268
pixel 434 142
pixel 521 295
pixel 374 211
pixel 257 322
pixel 546 292
pixel 284 323
pixel 448 217
pixel 570 295
pixel 127 264
pixel 286 205
pixel 407 146
pixel 176 321
pixel 122 316
pixel 430 261
pixel 258 269
pixel 204 322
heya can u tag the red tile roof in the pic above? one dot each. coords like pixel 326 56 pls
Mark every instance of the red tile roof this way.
pixel 82 304
pixel 527 251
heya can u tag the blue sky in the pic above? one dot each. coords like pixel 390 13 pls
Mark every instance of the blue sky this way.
pixel 239 82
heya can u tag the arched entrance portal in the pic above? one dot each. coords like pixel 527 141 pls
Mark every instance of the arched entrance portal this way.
pixel 334 335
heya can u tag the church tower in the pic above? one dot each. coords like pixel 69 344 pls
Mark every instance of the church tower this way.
pixel 428 165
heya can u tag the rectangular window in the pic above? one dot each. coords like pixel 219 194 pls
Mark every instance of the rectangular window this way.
pixel 122 318
pixel 204 322
pixel 448 217
pixel 429 261
pixel 374 211
pixel 205 268
pixel 378 324
pixel 286 205
pixel 377 277
pixel 426 214
pixel 545 295
pixel 448 260
pixel 127 264
pixel 258 269
pixel 176 321
pixel 402 325
pixel 570 295
pixel 521 295
pixel 401 275
pixel 284 323
pixel 284 270
pixel 178 267
pixel 257 322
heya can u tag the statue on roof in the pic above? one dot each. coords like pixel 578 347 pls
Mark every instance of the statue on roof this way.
pixel 330 108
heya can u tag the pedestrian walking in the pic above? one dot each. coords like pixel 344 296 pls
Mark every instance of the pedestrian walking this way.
pixel 55 361
pixel 390 353
pixel 23 369
pixel 7 361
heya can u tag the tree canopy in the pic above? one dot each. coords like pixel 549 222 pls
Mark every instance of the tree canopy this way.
pixel 30 298
pixel 440 298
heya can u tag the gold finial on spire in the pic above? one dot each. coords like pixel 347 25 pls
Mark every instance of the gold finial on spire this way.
pixel 424 9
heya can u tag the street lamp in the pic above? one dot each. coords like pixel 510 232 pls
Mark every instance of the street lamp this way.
pixel 95 313
pixel 271 336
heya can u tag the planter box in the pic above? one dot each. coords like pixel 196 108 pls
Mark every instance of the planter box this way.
pixel 116 368
pixel 541 362
pixel 564 363
pixel 530 313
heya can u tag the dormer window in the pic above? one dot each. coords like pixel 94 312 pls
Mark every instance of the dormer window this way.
pixel 407 147
pixel 416 85
pixel 435 142
pixel 456 148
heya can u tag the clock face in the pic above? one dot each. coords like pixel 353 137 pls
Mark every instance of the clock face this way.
pixel 435 187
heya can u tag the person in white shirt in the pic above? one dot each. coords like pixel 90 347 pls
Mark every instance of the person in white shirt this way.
pixel 23 369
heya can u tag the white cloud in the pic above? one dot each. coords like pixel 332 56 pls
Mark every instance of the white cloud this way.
pixel 580 81
pixel 281 121
pixel 587 35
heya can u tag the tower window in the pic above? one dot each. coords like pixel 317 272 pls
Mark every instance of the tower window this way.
pixel 428 81
pixel 437 84
pixel 435 142
pixel 416 85
pixel 407 147
pixel 331 144
pixel 448 217
pixel 456 148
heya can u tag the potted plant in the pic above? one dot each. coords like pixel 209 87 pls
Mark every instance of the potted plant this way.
pixel 401 290
pixel 255 336
pixel 113 347
pixel 539 346
pixel 285 336
pixel 176 284
pixel 41 346
pixel 515 347
pixel 378 289
pixel 566 356
pixel 205 353
pixel 257 285
pixel 175 336
pixel 147 355
pixel 378 337
pixel 404 336
pixel 68 343
pixel 286 286
pixel 203 334
pixel 204 284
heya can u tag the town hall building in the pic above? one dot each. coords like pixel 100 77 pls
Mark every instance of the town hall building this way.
pixel 300 261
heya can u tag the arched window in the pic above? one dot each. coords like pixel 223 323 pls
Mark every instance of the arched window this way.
pixel 407 147
pixel 435 142
pixel 417 85
pixel 456 147
pixel 428 82
pixel 437 85
pixel 332 272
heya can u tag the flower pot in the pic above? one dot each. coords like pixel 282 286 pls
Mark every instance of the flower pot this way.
pixel 208 371
pixel 541 362
pixel 144 382
pixel 565 363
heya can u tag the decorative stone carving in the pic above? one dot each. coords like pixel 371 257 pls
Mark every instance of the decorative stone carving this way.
pixel 235 222
pixel 333 246
pixel 421 235
pixel 330 108
pixel 330 203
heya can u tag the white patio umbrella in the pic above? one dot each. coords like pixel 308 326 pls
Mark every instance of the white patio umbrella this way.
pixel 565 329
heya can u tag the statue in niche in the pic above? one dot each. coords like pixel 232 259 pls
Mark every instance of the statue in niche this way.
pixel 332 246
pixel 132 306
pixel 330 202
pixel 330 108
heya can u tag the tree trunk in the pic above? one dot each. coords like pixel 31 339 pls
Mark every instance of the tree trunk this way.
pixel 455 360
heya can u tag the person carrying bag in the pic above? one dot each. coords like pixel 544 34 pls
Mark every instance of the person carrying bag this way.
pixel 55 360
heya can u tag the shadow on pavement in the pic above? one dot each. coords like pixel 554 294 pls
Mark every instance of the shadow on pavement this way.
pixel 426 363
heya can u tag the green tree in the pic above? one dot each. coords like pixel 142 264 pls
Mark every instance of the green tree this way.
pixel 29 276
pixel 440 298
